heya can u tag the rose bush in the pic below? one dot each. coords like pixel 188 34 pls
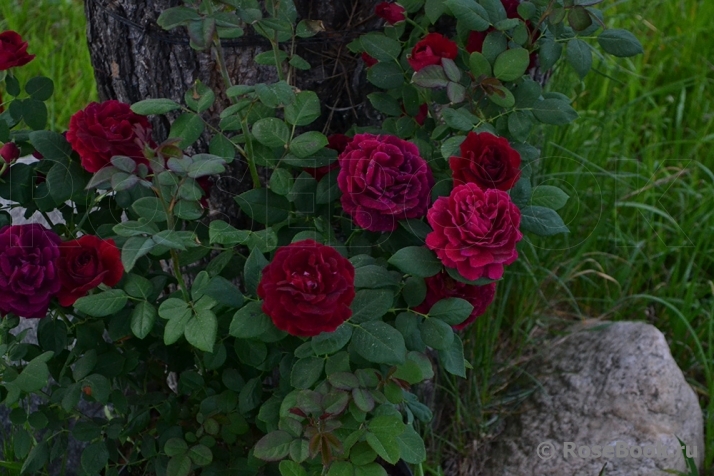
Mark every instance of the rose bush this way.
pixel 290 339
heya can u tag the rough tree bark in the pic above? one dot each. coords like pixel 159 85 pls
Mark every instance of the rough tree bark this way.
pixel 135 59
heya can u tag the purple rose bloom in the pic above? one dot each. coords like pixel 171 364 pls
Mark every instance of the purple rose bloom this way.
pixel 383 179
pixel 28 269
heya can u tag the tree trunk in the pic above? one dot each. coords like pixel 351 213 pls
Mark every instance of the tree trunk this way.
pixel 134 59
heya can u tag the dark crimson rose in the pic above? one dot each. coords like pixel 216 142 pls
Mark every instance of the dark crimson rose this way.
pixel 13 51
pixel 475 231
pixel 86 263
pixel 336 142
pixel 383 179
pixel 430 49
pixel 29 277
pixel 390 12
pixel 443 286
pixel 102 130
pixel 368 60
pixel 10 152
pixel 487 161
pixel 423 113
pixel 307 288
pixel 205 183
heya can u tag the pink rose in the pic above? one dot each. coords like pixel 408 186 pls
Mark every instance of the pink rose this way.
pixel 475 231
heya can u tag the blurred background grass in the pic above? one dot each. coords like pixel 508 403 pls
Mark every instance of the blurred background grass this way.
pixel 55 30
pixel 637 165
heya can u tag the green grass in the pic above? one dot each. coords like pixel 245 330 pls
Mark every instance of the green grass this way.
pixel 639 172
pixel 55 30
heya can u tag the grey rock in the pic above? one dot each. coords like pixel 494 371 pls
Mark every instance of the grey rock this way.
pixel 605 384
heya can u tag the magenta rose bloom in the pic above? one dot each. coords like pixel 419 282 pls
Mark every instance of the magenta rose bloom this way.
pixel 486 160
pixel 390 12
pixel 13 51
pixel 430 49
pixel 383 180
pixel 101 131
pixel 475 231
pixel 307 288
pixel 29 276
pixel 442 286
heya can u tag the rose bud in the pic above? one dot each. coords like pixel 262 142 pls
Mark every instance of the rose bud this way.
pixel 10 152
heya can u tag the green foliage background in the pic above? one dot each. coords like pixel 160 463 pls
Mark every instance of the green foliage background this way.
pixel 636 164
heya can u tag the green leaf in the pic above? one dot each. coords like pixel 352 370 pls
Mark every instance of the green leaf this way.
pixel 542 221
pixel 457 119
pixel 252 269
pixel 33 377
pixel 579 18
pixel 620 43
pixel 436 333
pixel 150 209
pixel 274 446
pixel 264 206
pixel 304 110
pixel 51 145
pixel 520 124
pixel 275 95
pixel 201 455
pixel 479 65
pixel 176 326
pixel 36 459
pixel 200 331
pixel 172 307
pixel 434 9
pixel 142 319
pixel 380 47
pixel 291 468
pixel 188 127
pixel 431 76
pixel 327 189
pixel 205 164
pixel 308 143
pixel 154 106
pixel 133 249
pixel 95 457
pixel 385 103
pixel 179 465
pixel 453 358
pixel 306 372
pixel 102 304
pixel 371 304
pixel 417 261
pixel 453 311
pixel 64 180
pixel 554 111
pixel 175 446
pixel 380 343
pixel 40 88
pixel 579 56
pixel 250 322
pixel 549 53
pixel 176 16
pixel 511 64
pixel 386 75
pixel 411 446
pixel 281 181
pixel 549 196
pixel 224 234
pixel 330 342
pixel 470 14
pixel 373 276
pixel 271 132
pixel 52 335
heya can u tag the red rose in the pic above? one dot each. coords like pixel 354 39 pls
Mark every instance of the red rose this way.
pixel 430 49
pixel 28 269
pixel 307 288
pixel 101 131
pixel 475 231
pixel 443 286
pixel 487 161
pixel 423 114
pixel 13 51
pixel 336 142
pixel 84 264
pixel 10 152
pixel 383 179
pixel 368 60
pixel 390 12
